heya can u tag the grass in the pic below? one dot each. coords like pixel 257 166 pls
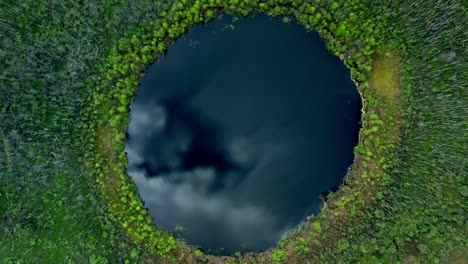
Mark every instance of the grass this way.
pixel 50 210
pixel 386 75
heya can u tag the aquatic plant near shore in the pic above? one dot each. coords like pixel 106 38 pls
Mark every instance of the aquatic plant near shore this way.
pixel 141 47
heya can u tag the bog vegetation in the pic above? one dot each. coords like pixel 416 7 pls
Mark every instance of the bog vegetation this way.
pixel 69 73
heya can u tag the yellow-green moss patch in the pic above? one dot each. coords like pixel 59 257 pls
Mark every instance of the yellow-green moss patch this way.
pixel 386 73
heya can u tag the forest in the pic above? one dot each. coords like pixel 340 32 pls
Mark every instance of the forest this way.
pixel 70 70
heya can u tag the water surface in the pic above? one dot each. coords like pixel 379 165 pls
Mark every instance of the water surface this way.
pixel 238 129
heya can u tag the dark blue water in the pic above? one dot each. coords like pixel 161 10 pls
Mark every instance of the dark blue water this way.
pixel 238 129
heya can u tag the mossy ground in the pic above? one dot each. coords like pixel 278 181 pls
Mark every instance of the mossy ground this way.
pixel 386 75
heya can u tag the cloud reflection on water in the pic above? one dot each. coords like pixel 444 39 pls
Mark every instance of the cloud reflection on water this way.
pixel 237 153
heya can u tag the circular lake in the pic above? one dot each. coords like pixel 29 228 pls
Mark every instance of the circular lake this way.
pixel 238 129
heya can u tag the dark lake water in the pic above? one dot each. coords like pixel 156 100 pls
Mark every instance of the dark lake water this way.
pixel 238 129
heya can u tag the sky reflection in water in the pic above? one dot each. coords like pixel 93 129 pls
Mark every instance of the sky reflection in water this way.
pixel 236 132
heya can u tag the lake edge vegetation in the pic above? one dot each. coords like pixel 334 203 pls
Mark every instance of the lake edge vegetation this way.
pixel 355 220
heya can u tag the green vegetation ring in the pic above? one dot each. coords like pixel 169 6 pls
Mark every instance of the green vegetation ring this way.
pixel 350 33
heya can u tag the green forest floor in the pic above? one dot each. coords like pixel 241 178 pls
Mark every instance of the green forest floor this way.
pixel 52 210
